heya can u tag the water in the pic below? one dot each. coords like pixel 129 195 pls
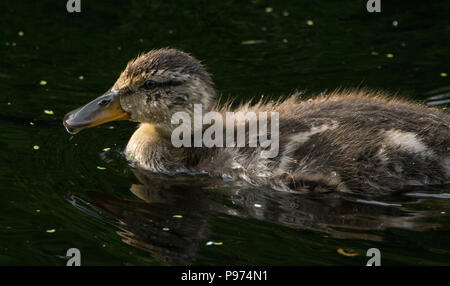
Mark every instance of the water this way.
pixel 70 192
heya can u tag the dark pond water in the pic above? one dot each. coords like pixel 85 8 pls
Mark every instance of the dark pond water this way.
pixel 54 197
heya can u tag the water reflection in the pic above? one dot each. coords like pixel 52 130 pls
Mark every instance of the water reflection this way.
pixel 440 99
pixel 173 215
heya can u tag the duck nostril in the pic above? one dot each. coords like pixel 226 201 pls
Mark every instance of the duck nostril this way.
pixel 104 102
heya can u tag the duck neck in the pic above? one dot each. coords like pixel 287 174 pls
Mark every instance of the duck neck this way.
pixel 151 147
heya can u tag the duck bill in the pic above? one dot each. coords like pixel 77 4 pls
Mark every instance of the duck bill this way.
pixel 103 109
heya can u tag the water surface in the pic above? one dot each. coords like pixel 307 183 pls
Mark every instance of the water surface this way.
pixel 59 191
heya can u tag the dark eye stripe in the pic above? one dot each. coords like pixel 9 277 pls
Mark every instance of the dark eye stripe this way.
pixel 149 84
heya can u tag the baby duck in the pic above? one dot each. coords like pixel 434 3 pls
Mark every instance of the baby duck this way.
pixel 348 141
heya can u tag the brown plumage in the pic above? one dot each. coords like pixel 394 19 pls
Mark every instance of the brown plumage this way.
pixel 348 140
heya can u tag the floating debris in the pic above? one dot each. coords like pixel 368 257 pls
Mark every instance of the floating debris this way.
pixel 442 212
pixel 101 168
pixel 21 33
pixel 389 55
pixel 9 103
pixel 50 230
pixel 43 82
pixel 209 243
pixel 36 147
pixel 48 112
pixel 395 23
pixel 257 206
pixel 285 41
pixel 177 216
pixel 285 13
pixel 269 9
pixel 443 74
pixel 166 229
pixel 310 22
pixel 252 42
pixel 106 149
pixel 38 211
pixel 81 77
pixel 373 53
pixel 348 252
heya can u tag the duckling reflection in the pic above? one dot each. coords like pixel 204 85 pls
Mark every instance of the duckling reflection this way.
pixel 148 223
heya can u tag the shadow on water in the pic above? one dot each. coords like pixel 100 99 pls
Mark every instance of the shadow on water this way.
pixel 173 216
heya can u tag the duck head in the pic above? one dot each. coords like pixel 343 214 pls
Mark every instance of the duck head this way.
pixel 151 89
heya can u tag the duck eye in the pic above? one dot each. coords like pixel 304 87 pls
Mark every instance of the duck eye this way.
pixel 150 84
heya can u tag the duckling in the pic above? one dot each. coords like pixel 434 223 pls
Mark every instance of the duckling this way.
pixel 357 141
